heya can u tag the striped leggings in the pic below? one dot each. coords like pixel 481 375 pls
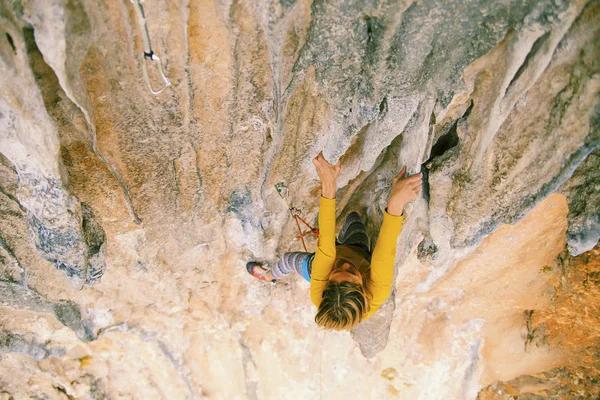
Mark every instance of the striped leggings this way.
pixel 353 233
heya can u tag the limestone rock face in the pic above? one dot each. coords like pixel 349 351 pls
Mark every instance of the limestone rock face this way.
pixel 126 218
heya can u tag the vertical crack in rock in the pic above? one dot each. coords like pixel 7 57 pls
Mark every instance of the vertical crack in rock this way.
pixel 176 184
pixel 122 184
pixel 11 42
pixel 248 364
pixel 471 370
pixel 537 46
pixel 444 147
pixel 189 121
pixel 447 140
pixel 177 365
pixel 198 171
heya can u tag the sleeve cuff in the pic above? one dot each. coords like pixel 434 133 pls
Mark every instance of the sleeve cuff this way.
pixel 327 205
pixel 392 225
pixel 399 218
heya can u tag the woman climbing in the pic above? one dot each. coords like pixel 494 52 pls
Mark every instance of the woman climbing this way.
pixel 348 283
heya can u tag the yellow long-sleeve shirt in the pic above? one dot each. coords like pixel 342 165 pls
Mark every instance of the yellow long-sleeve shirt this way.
pixel 382 260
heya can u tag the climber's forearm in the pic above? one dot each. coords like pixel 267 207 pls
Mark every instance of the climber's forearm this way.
pixel 382 261
pixel 326 242
pixel 325 255
pixel 328 189
pixel 395 209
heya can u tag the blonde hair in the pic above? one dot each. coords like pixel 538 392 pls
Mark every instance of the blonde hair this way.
pixel 343 306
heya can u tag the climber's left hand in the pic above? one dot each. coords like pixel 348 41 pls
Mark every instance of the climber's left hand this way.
pixel 404 190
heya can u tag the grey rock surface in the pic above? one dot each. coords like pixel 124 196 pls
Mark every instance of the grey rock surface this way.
pixel 28 134
pixel 583 192
pixel 372 335
pixel 16 343
pixel 19 297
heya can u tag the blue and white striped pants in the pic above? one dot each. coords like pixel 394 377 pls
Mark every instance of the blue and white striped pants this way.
pixel 353 233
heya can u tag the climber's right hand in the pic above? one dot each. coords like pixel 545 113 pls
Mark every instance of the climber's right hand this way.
pixel 328 174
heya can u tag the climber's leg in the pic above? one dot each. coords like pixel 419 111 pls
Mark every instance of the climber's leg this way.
pixel 354 232
pixel 299 262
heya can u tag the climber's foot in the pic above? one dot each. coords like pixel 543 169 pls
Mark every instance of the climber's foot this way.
pixel 259 272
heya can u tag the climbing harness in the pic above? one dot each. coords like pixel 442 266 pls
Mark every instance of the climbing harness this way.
pixel 283 192
pixel 148 53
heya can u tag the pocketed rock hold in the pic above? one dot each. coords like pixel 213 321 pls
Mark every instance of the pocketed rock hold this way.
pixel 95 238
pixel 67 234
pixel 372 335
pixel 583 195
pixel 69 314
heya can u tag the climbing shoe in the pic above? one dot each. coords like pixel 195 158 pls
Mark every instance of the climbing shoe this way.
pixel 256 270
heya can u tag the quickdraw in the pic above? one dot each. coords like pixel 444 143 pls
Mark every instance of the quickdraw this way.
pixel 148 53
pixel 283 192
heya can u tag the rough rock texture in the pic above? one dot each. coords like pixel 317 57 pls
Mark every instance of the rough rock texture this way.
pixel 583 193
pixel 126 219
pixel 570 324
pixel 54 215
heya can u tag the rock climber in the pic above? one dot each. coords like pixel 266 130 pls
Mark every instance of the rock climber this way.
pixel 348 282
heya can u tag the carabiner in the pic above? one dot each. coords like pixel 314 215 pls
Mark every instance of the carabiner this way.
pixel 154 58
pixel 148 53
